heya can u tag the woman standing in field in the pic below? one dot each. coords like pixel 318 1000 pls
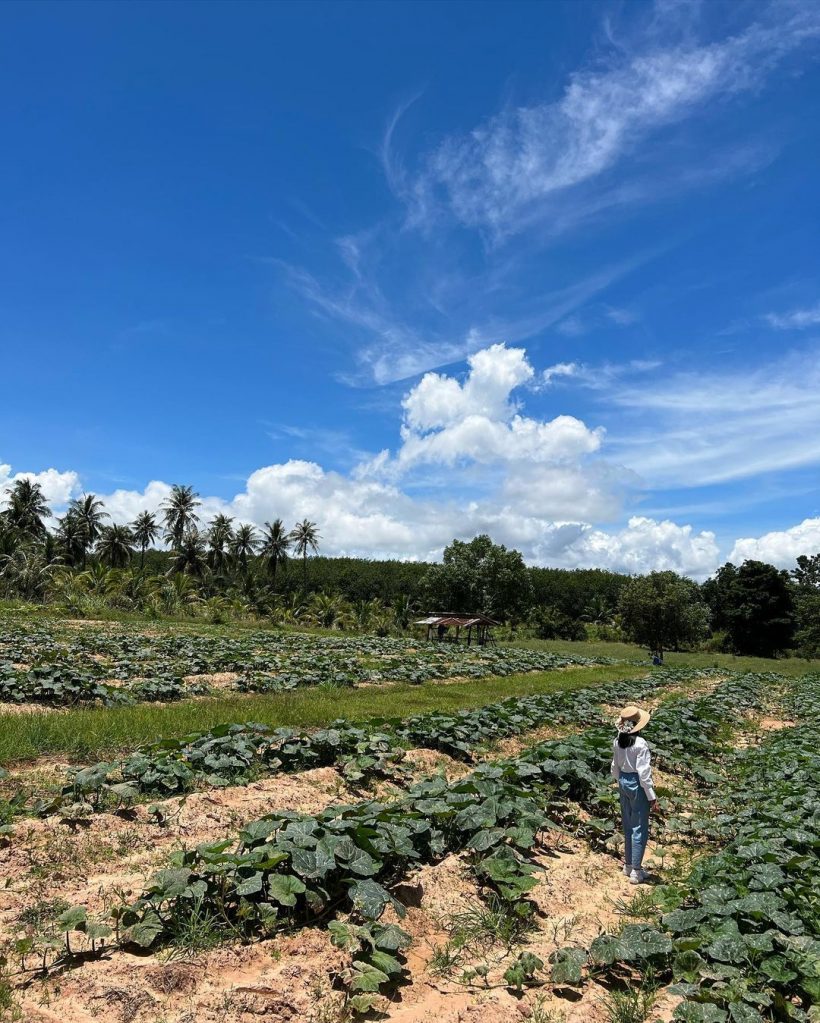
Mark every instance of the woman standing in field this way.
pixel 632 769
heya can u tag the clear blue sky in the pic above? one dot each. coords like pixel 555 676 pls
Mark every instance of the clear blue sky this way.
pixel 235 238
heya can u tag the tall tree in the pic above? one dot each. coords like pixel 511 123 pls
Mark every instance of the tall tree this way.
pixel 276 543
pixel 755 605
pixel 807 573
pixel 90 513
pixel 479 576
pixel 145 531
pixel 115 546
pixel 305 536
pixel 190 555
pixel 179 513
pixel 71 539
pixel 220 538
pixel 244 546
pixel 663 611
pixel 26 509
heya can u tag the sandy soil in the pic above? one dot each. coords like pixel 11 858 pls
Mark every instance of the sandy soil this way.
pixel 87 864
pixel 218 680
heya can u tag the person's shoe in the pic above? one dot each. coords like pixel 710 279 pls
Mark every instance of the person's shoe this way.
pixel 627 869
pixel 637 876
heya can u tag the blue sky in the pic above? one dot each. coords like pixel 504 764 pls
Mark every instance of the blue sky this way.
pixel 421 270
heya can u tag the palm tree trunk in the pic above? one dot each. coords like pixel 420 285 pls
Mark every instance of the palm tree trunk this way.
pixel 304 572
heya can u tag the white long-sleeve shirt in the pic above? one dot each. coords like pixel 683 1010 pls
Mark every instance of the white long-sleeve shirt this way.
pixel 635 759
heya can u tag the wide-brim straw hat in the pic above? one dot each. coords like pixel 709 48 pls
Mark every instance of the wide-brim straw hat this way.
pixel 633 719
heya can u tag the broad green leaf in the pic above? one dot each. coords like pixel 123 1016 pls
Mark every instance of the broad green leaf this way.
pixel 284 888
pixel 72 919
pixel 568 965
pixel 366 977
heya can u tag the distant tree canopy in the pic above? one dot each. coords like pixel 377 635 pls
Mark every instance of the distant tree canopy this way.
pixel 85 562
pixel 574 592
pixel 755 605
pixel 479 576
pixel 807 573
pixel 663 611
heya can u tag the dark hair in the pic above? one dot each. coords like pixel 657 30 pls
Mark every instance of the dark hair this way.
pixel 626 739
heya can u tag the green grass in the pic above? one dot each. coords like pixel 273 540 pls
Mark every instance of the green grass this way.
pixel 792 666
pixel 103 732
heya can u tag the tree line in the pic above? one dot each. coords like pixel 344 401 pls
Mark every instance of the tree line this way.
pixel 222 569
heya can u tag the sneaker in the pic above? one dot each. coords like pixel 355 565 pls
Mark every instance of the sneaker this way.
pixel 627 869
pixel 638 876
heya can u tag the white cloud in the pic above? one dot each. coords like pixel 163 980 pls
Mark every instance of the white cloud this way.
pixel 560 369
pixel 447 422
pixel 797 319
pixel 58 487
pixel 500 173
pixel 646 545
pixel 702 428
pixel 781 547
pixel 440 401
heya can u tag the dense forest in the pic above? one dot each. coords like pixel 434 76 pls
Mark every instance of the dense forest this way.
pixel 223 570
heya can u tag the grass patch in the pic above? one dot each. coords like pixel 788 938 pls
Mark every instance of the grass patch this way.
pixel 792 666
pixel 103 732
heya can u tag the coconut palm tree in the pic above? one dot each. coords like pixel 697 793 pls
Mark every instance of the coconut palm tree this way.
pixel 245 544
pixel 26 509
pixel 220 538
pixel 145 531
pixel 305 536
pixel 115 546
pixel 190 555
pixel 71 539
pixel 179 514
pixel 89 513
pixel 25 574
pixel 275 547
pixel 599 611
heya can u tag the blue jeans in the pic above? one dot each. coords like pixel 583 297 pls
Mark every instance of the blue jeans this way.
pixel 635 812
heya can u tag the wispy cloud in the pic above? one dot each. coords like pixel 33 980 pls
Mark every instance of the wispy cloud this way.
pixel 797 319
pixel 393 350
pixel 695 429
pixel 498 176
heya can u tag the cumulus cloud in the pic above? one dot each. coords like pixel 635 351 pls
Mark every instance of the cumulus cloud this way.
pixel 58 487
pixel 447 422
pixel 645 545
pixel 371 518
pixel 780 547
pixel 497 175
pixel 541 486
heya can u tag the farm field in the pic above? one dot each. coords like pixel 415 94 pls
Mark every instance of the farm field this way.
pixel 460 862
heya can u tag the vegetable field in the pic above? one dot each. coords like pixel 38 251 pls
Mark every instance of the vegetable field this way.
pixel 451 865
pixel 57 664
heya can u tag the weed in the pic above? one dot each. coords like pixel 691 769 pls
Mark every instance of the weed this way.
pixel 445 959
pixel 491 922
pixel 10 1011
pixel 200 930
pixel 643 905
pixel 539 1013
pixel 562 928
pixel 630 1005
pixel 41 913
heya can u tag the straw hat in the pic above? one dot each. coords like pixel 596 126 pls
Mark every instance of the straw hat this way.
pixel 632 719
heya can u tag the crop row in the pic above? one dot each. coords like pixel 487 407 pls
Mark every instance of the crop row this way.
pixel 238 753
pixel 291 868
pixel 44 664
pixel 740 938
